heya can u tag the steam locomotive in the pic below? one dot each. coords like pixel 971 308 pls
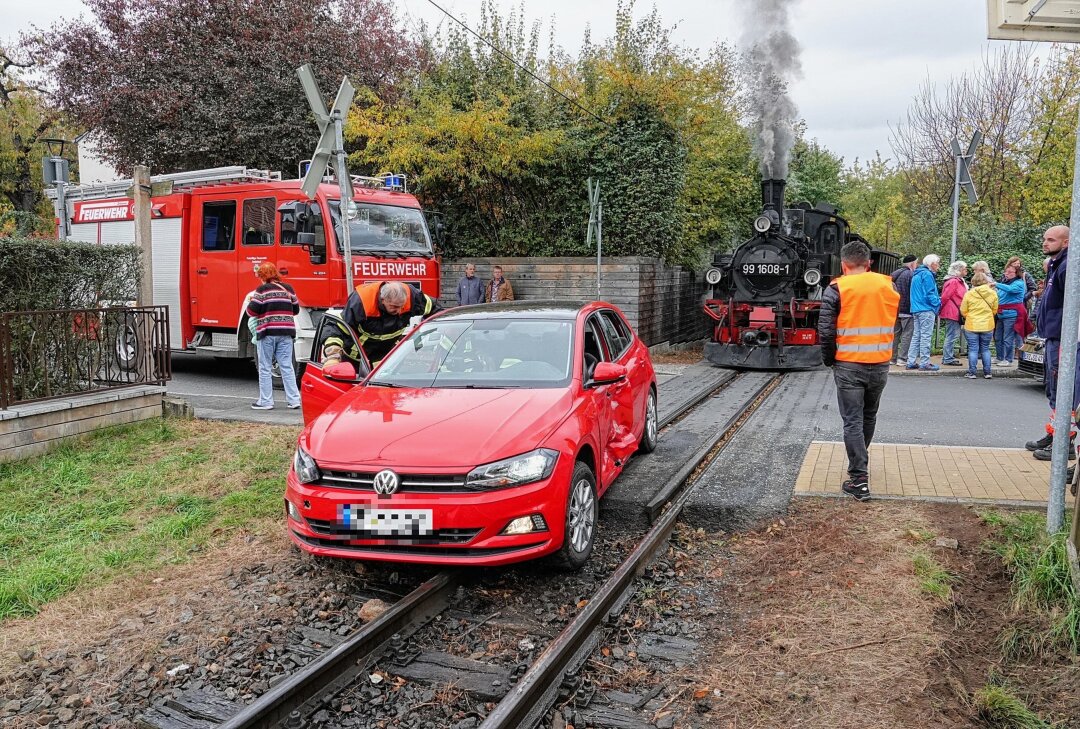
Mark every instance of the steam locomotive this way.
pixel 766 295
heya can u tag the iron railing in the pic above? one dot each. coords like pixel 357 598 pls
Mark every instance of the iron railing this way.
pixel 63 352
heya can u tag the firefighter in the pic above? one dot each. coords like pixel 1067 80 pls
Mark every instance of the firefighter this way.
pixel 855 327
pixel 382 312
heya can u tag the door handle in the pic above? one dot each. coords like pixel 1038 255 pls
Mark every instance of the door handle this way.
pixel 202 272
pixel 307 386
pixel 283 271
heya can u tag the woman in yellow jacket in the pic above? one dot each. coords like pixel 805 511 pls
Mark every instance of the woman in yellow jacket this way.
pixel 978 308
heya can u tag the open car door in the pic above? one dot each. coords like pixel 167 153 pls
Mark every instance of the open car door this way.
pixel 321 383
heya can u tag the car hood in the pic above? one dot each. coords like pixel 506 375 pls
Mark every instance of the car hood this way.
pixel 434 428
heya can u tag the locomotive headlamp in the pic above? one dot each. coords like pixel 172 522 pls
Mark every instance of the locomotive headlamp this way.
pixel 713 276
pixel 812 277
pixel 762 223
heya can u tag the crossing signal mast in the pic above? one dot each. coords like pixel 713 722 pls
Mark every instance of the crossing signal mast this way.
pixel 963 182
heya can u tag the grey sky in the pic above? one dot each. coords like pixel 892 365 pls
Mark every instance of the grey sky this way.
pixel 862 59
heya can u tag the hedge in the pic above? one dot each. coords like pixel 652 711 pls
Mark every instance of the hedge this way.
pixel 39 273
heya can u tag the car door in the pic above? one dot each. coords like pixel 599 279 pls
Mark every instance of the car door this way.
pixel 621 440
pixel 638 374
pixel 318 388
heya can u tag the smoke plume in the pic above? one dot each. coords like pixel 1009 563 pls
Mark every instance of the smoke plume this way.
pixel 774 63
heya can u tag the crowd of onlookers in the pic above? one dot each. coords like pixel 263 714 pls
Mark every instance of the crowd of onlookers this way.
pixel 986 310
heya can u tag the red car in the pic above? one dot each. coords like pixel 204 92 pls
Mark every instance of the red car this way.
pixel 483 438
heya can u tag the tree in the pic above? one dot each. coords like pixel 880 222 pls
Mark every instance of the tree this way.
pixel 206 83
pixel 1051 140
pixel 25 120
pixel 873 201
pixel 815 173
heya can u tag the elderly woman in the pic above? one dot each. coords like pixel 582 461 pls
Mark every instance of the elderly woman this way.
pixel 982 267
pixel 952 294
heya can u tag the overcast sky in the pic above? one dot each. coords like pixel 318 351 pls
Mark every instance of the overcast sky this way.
pixel 862 59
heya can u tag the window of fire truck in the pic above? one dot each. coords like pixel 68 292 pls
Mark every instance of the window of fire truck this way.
pixel 259 221
pixel 386 229
pixel 218 226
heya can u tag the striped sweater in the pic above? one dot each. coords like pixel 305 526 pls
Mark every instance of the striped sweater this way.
pixel 273 306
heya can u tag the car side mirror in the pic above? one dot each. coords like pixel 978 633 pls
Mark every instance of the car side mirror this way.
pixel 608 372
pixel 340 372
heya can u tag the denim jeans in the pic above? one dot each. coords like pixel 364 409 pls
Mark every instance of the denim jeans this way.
pixel 858 393
pixel 1005 336
pixel 978 347
pixel 952 336
pixel 280 349
pixel 902 336
pixel 919 354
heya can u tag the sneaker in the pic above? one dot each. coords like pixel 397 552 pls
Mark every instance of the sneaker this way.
pixel 860 490
pixel 928 367
pixel 1045 442
pixel 900 363
pixel 1044 454
pixel 954 363
pixel 911 366
pixel 293 406
pixel 260 406
pixel 971 376
pixel 988 376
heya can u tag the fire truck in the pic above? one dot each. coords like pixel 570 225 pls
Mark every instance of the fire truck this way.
pixel 211 228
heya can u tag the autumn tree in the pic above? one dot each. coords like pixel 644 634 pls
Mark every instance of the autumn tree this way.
pixel 815 173
pixel 206 83
pixel 25 120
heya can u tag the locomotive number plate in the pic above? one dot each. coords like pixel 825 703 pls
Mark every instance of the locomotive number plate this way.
pixel 766 269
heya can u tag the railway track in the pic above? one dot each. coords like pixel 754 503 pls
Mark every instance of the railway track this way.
pixel 469 648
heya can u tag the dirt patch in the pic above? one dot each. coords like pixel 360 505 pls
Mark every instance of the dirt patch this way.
pixel 693 355
pixel 838 615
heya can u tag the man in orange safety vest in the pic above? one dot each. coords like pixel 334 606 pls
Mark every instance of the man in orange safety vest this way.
pixel 855 328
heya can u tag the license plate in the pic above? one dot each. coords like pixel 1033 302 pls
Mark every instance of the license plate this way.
pixel 1031 357
pixel 385 522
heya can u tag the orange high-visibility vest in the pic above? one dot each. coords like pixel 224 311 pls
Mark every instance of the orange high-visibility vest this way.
pixel 369 297
pixel 868 308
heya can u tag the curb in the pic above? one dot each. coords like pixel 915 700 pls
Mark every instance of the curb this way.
pixel 1003 373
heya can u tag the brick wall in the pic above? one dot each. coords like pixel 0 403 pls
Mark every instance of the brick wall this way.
pixel 662 302
pixel 34 428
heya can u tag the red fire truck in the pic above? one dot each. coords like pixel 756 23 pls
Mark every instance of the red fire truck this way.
pixel 210 228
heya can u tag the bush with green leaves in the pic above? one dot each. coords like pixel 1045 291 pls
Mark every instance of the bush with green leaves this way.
pixel 38 273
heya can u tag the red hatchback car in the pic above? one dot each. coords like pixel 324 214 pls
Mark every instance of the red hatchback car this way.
pixel 485 437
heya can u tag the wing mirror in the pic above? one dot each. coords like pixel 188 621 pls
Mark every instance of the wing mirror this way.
pixel 340 372
pixel 607 372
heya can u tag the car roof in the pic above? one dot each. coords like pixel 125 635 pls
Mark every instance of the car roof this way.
pixel 520 310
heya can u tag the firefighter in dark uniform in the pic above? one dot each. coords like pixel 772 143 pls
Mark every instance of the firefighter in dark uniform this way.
pixel 382 312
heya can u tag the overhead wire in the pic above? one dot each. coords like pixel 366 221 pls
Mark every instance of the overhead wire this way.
pixel 512 60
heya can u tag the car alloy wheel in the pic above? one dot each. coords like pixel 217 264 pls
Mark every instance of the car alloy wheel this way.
pixel 652 425
pixel 581 517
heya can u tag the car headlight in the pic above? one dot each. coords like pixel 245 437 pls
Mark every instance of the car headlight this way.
pixel 526 468
pixel 304 465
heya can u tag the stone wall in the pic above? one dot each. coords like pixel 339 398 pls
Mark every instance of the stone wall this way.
pixel 34 428
pixel 662 302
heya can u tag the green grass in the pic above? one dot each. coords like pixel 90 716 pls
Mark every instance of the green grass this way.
pixel 1041 579
pixel 132 498
pixel 1000 708
pixel 933 579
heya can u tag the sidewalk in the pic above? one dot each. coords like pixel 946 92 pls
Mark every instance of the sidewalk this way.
pixel 959 371
pixel 1003 476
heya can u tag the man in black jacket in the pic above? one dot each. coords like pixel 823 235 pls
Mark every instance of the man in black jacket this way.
pixel 904 323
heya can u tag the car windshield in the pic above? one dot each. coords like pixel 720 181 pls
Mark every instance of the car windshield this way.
pixel 386 229
pixel 481 353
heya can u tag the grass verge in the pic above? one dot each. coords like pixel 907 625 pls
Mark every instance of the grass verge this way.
pixel 1041 581
pixel 999 707
pixel 934 580
pixel 131 498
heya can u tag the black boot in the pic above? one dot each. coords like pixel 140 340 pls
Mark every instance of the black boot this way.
pixel 1044 442
pixel 1043 454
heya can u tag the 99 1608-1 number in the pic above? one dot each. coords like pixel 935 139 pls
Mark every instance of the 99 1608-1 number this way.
pixel 764 269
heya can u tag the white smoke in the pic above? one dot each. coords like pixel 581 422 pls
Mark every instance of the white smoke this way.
pixel 773 65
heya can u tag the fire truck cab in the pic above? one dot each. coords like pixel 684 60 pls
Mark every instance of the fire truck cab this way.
pixel 211 228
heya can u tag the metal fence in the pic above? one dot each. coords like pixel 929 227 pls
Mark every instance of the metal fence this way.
pixel 63 352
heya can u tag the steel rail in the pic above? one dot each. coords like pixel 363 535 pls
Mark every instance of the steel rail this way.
pixel 343 662
pixel 530 698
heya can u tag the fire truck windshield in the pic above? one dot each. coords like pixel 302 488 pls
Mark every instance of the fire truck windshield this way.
pixel 384 229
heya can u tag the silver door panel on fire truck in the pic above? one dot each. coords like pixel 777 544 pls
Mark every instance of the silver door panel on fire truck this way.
pixel 165 235
pixel 85 232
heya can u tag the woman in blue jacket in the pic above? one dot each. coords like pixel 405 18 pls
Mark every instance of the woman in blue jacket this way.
pixel 1011 291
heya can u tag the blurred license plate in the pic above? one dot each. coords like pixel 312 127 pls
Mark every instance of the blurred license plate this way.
pixel 1037 358
pixel 385 522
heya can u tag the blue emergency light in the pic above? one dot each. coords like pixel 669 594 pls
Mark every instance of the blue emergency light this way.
pixel 395 182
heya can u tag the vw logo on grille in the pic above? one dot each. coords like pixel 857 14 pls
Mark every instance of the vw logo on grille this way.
pixel 386 482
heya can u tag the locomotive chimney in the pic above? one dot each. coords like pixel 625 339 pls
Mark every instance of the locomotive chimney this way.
pixel 772 195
